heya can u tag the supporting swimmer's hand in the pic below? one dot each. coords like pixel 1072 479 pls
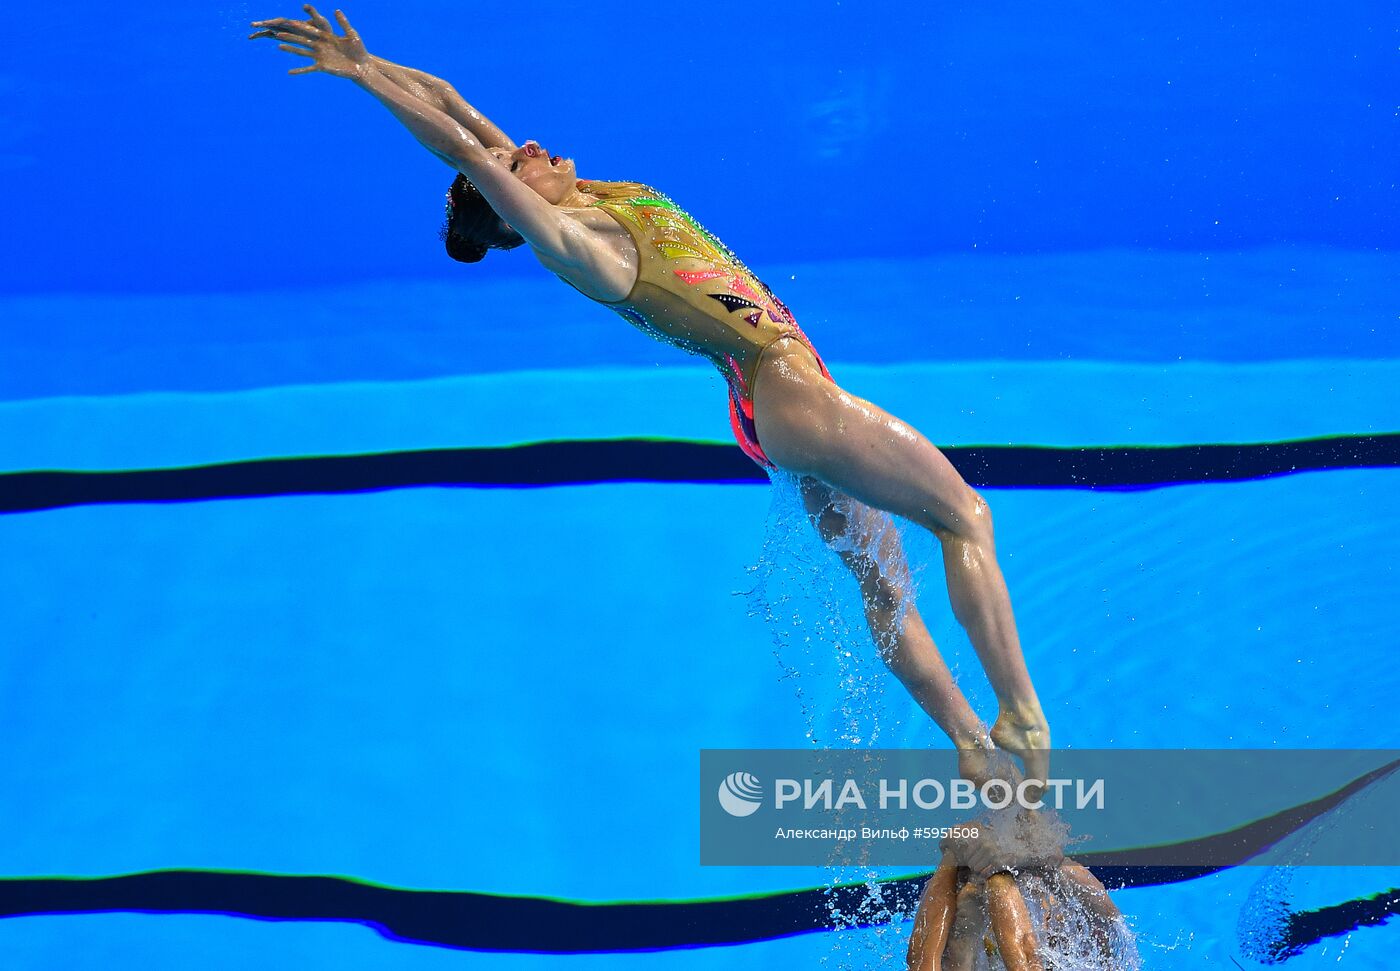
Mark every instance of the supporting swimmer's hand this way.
pixel 1007 842
pixel 339 56
pixel 984 855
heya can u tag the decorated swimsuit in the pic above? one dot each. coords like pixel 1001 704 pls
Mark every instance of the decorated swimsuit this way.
pixel 694 293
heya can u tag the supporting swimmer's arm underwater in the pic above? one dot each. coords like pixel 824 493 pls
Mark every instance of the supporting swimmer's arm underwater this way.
pixel 934 947
pixel 949 920
pixel 934 919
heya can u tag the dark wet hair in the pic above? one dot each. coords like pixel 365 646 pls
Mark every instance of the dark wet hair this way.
pixel 472 226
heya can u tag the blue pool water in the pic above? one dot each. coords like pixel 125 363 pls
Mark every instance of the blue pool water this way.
pixel 504 690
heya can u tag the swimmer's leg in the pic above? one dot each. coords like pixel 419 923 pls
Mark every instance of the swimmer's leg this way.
pixel 868 543
pixel 809 426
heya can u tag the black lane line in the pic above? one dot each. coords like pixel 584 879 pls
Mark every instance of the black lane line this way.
pixel 1124 868
pixel 646 460
pixel 489 922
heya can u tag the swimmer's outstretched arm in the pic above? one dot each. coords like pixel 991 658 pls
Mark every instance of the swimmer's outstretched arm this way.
pixel 969 929
pixel 425 87
pixel 548 230
pixel 443 96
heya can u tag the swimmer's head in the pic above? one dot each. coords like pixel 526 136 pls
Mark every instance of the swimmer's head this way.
pixel 552 176
pixel 472 226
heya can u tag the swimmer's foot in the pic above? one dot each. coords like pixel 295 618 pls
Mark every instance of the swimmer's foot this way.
pixel 1026 736
pixel 977 759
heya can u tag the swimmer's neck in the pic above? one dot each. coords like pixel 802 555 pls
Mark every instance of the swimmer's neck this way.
pixel 577 198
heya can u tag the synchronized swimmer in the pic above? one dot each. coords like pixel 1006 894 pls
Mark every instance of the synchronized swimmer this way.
pixel 972 905
pixel 630 248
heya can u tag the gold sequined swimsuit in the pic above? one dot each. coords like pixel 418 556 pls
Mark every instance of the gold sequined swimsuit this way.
pixel 694 293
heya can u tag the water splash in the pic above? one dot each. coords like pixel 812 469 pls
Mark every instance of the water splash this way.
pixel 807 591
pixel 1267 914
pixel 1071 936
pixel 810 602
pixel 866 920
pixel 1263 921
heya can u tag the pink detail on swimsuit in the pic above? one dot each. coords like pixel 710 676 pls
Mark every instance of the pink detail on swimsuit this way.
pixel 743 289
pixel 676 237
pixel 747 405
pixel 787 314
pixel 699 276
pixel 746 435
pixel 741 420
pixel 736 372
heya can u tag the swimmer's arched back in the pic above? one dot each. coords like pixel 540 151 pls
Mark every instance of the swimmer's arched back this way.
pixel 641 254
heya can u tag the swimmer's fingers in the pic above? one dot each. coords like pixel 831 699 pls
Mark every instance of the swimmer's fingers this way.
pixel 304 53
pixel 982 854
pixel 351 34
pixel 318 19
pixel 301 28
pixel 345 25
pixel 317 28
pixel 281 35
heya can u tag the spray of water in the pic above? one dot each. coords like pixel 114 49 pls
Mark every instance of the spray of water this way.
pixel 810 603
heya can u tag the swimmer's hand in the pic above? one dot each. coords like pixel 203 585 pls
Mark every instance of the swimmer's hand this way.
pixel 981 762
pixel 339 56
pixel 1005 849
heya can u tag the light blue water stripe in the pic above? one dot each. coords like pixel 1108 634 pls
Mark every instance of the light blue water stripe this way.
pixel 360 684
pixel 1293 303
pixel 986 403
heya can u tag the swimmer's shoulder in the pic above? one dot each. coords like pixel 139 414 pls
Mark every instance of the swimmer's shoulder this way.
pixel 607 269
pixel 617 192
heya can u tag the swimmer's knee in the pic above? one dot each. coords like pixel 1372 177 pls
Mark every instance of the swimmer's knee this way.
pixel 885 607
pixel 970 521
pixel 830 522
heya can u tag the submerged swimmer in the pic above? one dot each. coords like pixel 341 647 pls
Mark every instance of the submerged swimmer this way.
pixel 628 247
pixel 969 906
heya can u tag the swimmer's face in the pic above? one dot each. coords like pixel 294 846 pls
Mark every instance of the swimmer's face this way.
pixel 551 176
